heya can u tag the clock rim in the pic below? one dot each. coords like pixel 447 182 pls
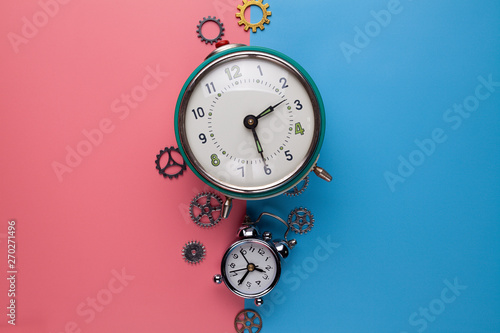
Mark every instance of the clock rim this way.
pixel 274 252
pixel 284 185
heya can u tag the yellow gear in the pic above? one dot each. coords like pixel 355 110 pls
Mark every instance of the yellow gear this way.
pixel 243 20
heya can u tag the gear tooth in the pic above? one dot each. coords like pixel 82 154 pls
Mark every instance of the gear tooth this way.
pixel 240 7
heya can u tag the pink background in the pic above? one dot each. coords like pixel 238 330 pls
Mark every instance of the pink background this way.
pixel 112 212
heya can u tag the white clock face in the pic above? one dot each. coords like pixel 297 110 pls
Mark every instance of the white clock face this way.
pixel 250 123
pixel 251 268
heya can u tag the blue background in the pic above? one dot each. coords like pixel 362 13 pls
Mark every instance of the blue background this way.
pixel 395 247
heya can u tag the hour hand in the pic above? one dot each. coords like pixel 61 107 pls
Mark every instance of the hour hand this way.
pixel 259 269
pixel 259 146
pixel 269 110
pixel 251 123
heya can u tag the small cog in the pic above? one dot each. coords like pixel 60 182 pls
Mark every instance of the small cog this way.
pixel 172 168
pixel 298 189
pixel 205 209
pixel 212 40
pixel 246 321
pixel 193 252
pixel 301 220
pixel 244 21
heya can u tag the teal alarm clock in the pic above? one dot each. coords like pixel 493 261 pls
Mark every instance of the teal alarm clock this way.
pixel 250 122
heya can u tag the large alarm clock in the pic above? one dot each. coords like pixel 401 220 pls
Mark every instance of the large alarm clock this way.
pixel 250 122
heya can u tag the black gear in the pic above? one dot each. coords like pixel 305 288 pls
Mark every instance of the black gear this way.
pixel 298 189
pixel 246 320
pixel 213 40
pixel 170 163
pixel 205 209
pixel 193 252
pixel 301 220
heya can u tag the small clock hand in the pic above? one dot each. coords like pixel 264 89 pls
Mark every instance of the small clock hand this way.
pixel 259 270
pixel 259 146
pixel 269 110
pixel 243 278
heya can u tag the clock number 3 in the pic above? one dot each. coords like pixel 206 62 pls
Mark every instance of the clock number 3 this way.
pixel 298 105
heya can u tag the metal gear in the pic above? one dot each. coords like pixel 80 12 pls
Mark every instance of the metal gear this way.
pixel 243 20
pixel 301 220
pixel 246 320
pixel 206 209
pixel 171 163
pixel 298 189
pixel 193 252
pixel 212 40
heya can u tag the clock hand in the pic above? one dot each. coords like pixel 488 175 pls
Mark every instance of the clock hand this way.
pixel 243 278
pixel 259 269
pixel 241 251
pixel 269 110
pixel 251 122
pixel 237 270
pixel 259 146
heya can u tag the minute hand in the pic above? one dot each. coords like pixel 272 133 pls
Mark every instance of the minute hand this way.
pixel 269 110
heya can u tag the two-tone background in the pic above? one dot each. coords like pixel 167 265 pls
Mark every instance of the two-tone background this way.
pixel 406 237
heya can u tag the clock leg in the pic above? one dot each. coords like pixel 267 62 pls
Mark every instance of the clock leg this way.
pixel 226 207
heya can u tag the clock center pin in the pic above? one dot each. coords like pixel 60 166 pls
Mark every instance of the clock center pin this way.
pixel 250 122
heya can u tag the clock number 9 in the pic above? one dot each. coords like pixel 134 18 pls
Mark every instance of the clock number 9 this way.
pixel 198 113
pixel 203 138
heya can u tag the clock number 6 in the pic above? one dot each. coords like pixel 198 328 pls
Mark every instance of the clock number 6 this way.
pixel 268 171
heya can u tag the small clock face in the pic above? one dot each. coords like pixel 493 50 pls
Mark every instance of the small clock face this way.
pixel 250 123
pixel 250 268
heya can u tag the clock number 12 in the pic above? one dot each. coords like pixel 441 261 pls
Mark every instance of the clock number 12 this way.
pixel 235 69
